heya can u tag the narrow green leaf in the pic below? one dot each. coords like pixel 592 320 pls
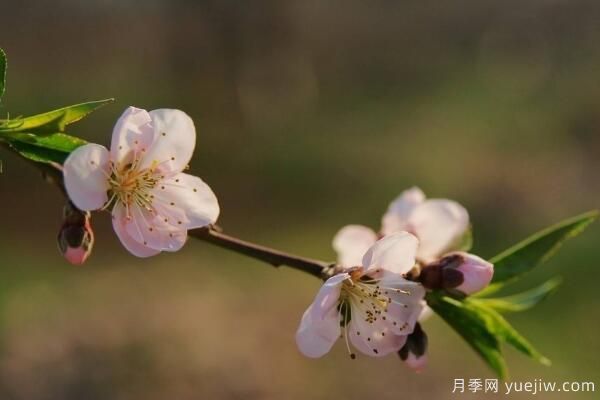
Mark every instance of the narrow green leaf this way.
pixel 535 250
pixel 2 72
pixel 524 300
pixel 472 327
pixel 53 121
pixel 52 148
pixel 496 324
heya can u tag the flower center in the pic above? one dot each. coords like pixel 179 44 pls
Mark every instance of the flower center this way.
pixel 131 185
pixel 367 297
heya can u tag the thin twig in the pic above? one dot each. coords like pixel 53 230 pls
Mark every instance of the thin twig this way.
pixel 276 258
pixel 52 173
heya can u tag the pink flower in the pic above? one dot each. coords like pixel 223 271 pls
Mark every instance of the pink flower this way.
pixel 439 224
pixel 371 305
pixel 140 179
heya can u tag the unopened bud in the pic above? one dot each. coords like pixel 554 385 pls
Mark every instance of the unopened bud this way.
pixel 461 271
pixel 75 238
pixel 414 351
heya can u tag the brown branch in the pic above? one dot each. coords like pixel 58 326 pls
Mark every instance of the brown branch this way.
pixel 52 173
pixel 276 258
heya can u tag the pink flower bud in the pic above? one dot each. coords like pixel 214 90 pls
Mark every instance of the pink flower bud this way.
pixel 477 273
pixel 75 238
pixel 414 351
pixel 418 364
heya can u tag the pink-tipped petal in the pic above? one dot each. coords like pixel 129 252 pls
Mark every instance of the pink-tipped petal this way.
pixel 191 195
pixel 132 135
pixel 174 140
pixel 351 243
pixel 418 364
pixel 439 224
pixel 396 217
pixel 477 273
pixel 320 325
pixel 393 254
pixel 120 222
pixel 85 176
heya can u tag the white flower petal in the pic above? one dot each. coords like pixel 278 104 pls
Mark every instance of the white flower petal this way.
pixel 85 176
pixel 191 195
pixel 351 243
pixel 173 143
pixel 373 339
pixel 152 231
pixel 132 135
pixel 394 254
pixel 396 217
pixel 404 311
pixel 438 224
pixel 120 222
pixel 320 325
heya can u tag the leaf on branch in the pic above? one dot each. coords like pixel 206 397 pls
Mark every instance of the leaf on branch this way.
pixel 524 300
pixel 40 138
pixel 53 148
pixel 53 121
pixel 2 72
pixel 472 328
pixel 535 250
pixel 483 329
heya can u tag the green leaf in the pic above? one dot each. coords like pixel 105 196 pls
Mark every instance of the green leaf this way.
pixel 483 329
pixel 2 72
pixel 535 250
pixel 472 328
pixel 53 121
pixel 499 326
pixel 524 300
pixel 52 148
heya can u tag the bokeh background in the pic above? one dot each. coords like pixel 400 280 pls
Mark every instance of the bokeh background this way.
pixel 310 115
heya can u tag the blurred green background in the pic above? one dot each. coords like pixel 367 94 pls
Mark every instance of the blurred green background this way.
pixel 310 115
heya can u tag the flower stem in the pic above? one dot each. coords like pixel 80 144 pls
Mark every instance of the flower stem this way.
pixel 276 258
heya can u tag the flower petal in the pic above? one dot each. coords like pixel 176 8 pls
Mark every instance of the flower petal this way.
pixel 173 143
pixel 120 221
pixel 396 217
pixel 320 325
pixel 132 135
pixel 392 254
pixel 150 229
pixel 373 339
pixel 85 176
pixel 191 195
pixel 438 224
pixel 406 303
pixel 351 243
